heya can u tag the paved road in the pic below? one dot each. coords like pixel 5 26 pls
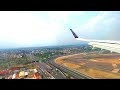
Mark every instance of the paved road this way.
pixel 70 72
pixel 55 72
pixel 43 71
pixel 49 72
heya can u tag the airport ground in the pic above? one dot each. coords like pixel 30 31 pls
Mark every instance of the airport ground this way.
pixel 93 64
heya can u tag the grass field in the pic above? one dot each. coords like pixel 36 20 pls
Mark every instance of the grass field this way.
pixel 93 64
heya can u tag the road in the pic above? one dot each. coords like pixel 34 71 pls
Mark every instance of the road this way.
pixel 44 73
pixel 50 72
pixel 70 72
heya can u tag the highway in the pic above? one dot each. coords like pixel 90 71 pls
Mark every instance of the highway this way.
pixel 66 76
pixel 45 74
pixel 70 72
pixel 49 71
pixel 54 71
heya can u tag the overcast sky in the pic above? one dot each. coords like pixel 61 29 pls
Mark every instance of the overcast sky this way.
pixel 44 28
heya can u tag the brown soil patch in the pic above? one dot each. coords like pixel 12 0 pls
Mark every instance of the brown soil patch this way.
pixel 92 64
pixel 99 74
pixel 71 65
pixel 106 60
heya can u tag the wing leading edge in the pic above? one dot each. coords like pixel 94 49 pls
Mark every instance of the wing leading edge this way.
pixel 113 46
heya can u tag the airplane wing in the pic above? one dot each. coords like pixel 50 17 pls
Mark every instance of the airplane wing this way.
pixel 113 46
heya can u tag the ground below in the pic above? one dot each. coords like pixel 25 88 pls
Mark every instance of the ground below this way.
pixel 97 65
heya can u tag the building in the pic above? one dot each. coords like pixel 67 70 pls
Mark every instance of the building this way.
pixel 21 74
pixel 37 75
pixel 14 76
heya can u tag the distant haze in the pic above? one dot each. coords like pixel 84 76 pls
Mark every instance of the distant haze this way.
pixel 49 28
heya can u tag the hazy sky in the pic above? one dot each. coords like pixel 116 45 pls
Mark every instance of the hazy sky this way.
pixel 44 28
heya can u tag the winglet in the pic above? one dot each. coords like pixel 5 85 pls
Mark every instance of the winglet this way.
pixel 73 33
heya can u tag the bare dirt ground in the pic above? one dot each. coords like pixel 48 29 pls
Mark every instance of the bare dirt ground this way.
pixel 94 64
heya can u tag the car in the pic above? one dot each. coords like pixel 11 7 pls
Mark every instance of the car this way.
pixel 48 71
pixel 56 69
